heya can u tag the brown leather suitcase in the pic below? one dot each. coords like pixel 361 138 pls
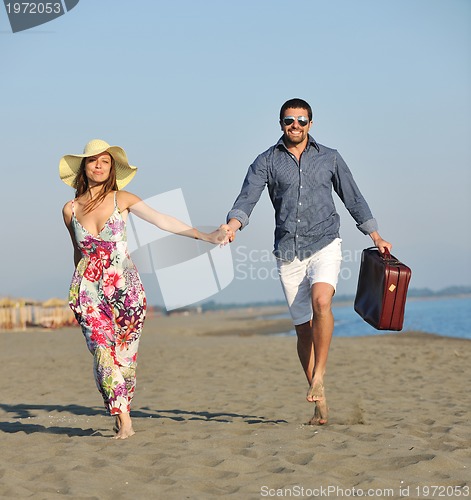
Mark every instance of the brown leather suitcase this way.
pixel 382 289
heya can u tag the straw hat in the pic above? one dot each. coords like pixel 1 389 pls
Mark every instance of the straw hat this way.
pixel 69 165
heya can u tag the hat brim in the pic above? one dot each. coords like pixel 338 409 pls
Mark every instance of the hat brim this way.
pixel 69 166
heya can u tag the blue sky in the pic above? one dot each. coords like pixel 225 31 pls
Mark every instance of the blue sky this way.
pixel 192 91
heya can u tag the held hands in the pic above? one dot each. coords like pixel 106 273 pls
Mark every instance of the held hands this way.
pixel 220 236
pixel 229 231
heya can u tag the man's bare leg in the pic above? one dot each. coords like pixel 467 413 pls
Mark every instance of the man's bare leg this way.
pixel 305 346
pixel 323 328
pixel 306 356
pixel 124 426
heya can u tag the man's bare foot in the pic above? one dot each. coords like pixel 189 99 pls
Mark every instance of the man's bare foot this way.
pixel 123 426
pixel 316 394
pixel 320 415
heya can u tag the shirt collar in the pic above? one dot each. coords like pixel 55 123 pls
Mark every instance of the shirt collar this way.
pixel 310 142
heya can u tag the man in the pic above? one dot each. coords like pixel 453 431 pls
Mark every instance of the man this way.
pixel 300 175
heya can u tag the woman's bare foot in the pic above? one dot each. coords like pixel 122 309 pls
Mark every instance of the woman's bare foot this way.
pixel 316 394
pixel 123 426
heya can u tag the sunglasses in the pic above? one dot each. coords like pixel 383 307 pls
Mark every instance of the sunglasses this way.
pixel 289 120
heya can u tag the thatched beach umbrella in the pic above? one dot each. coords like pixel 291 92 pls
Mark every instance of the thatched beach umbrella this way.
pixel 8 313
pixel 55 312
pixel 55 302
pixel 7 302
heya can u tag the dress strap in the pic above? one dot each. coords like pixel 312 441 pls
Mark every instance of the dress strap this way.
pixel 115 202
pixel 73 207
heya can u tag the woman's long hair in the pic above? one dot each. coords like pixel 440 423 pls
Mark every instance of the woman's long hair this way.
pixel 81 186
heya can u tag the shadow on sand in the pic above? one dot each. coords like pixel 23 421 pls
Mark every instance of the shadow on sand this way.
pixel 18 413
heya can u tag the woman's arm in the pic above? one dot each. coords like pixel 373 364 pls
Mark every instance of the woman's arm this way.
pixel 134 204
pixel 67 215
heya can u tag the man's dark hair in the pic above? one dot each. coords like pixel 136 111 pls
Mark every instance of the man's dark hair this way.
pixel 296 103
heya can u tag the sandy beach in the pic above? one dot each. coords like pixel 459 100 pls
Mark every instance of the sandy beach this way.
pixel 220 411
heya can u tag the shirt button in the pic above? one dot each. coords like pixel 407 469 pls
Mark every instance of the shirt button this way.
pixel 299 220
pixel 301 187
pixel 300 203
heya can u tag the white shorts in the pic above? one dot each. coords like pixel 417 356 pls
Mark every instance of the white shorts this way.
pixel 297 278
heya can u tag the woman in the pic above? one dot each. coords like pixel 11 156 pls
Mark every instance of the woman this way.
pixel 106 293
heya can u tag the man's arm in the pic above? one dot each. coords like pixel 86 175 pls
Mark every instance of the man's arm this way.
pixel 346 187
pixel 252 188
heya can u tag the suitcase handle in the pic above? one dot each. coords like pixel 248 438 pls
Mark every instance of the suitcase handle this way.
pixel 386 256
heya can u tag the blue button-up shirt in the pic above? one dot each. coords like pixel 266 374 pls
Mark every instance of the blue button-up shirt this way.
pixel 301 193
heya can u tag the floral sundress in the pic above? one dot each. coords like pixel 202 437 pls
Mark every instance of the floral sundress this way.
pixel 108 300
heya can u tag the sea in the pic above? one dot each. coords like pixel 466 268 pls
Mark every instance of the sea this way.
pixel 450 317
